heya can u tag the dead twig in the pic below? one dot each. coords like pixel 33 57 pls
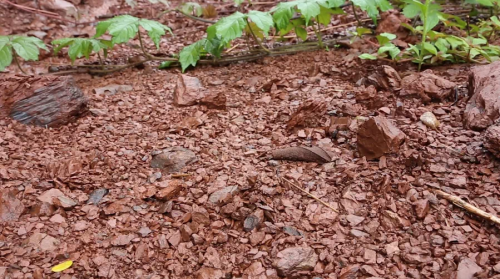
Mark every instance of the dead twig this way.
pixel 467 206
pixel 310 195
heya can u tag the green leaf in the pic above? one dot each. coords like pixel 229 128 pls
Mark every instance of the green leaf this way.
pixel 384 38
pixel 456 42
pixel 263 20
pixel 430 48
pixel 79 47
pixel 325 14
pixel 495 20
pixel 282 14
pixel 25 47
pixel 372 6
pixel 389 48
pixel 155 30
pixel 335 3
pixel 237 3
pixel 122 28
pixel 213 46
pixel 360 31
pixel 231 27
pixel 301 33
pixel 367 56
pixel 191 7
pixel 5 52
pixel 442 45
pixel 190 55
pixel 309 9
pixel 412 8
pixel 101 28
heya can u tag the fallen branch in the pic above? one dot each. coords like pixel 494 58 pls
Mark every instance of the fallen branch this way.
pixel 310 195
pixel 208 60
pixel 467 206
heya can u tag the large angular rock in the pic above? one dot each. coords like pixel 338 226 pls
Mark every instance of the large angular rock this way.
pixel 188 91
pixel 483 107
pixel 10 207
pixel 427 86
pixel 47 101
pixel 492 140
pixel 378 136
pixel 295 259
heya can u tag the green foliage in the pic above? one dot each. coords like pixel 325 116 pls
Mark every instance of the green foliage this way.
pixel 190 8
pixel 27 48
pixel 79 47
pixel 372 7
pixel 125 27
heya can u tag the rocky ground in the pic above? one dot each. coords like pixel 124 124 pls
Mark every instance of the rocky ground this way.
pixel 142 187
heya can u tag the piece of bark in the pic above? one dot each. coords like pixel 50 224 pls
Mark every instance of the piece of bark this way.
pixel 47 101
pixel 302 153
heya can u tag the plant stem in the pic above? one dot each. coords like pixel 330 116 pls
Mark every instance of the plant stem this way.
pixel 355 14
pixel 142 44
pixel 256 39
pixel 17 62
pixel 100 59
pixel 196 18
pixel 318 33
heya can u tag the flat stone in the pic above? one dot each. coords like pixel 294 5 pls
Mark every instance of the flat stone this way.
pixel 295 259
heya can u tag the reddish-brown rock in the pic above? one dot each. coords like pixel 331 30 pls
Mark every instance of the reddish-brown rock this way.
pixel 483 107
pixel 173 188
pixel 385 78
pixel 492 140
pixel 295 259
pixel 188 91
pixel 421 208
pixel 378 136
pixel 427 86
pixel 214 100
pixel 370 97
pixel 391 23
pixel 10 207
pixel 47 101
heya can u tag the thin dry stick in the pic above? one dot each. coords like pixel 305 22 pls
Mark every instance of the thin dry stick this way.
pixel 310 195
pixel 467 206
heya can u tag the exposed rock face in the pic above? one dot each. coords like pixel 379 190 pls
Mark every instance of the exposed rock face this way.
pixel 483 107
pixel 378 136
pixel 47 101
pixel 492 140
pixel 427 86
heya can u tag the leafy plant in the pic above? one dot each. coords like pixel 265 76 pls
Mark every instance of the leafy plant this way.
pixel 125 27
pixel 11 47
pixel 79 47
pixel 429 15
